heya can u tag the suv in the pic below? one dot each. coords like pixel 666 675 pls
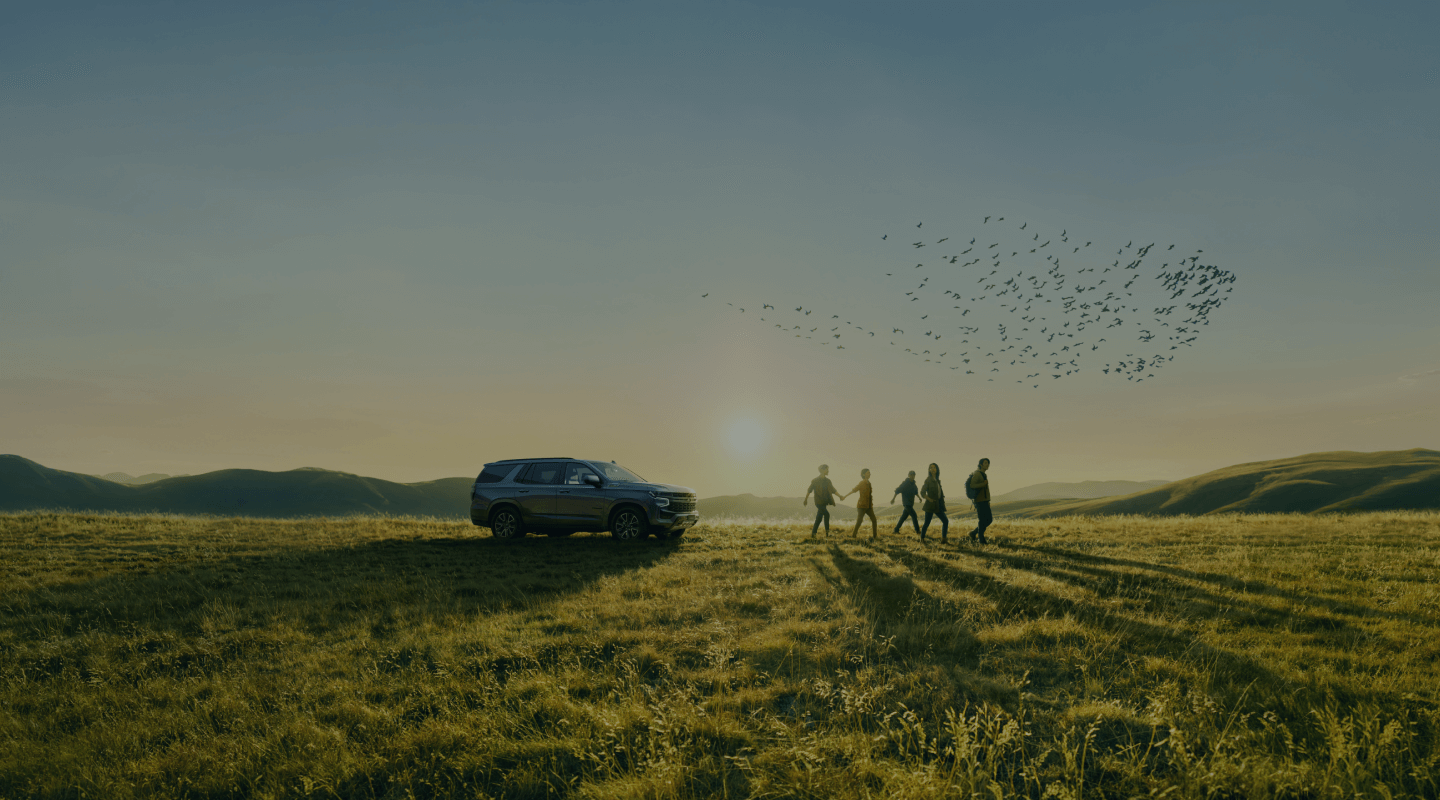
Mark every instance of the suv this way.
pixel 560 496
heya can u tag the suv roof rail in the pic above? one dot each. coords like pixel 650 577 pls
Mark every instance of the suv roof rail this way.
pixel 547 458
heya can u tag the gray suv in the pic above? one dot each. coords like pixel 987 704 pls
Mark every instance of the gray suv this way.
pixel 560 496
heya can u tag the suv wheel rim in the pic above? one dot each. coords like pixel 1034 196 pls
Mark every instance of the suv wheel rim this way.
pixel 627 525
pixel 505 526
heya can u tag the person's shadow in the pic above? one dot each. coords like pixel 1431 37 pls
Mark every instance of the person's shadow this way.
pixel 1133 638
pixel 1333 605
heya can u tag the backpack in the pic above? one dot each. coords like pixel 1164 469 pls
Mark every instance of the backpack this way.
pixel 970 492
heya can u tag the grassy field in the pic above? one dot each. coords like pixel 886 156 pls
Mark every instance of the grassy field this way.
pixel 1263 656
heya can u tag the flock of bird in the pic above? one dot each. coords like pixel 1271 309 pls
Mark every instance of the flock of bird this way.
pixel 1032 316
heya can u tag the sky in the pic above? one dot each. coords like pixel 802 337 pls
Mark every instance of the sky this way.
pixel 403 240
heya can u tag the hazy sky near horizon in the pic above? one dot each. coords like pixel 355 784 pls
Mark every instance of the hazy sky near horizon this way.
pixel 402 240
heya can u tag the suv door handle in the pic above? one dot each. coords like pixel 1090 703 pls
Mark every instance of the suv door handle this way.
pixel 522 491
pixel 564 491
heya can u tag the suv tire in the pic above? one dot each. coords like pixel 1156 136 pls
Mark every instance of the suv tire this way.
pixel 629 525
pixel 505 524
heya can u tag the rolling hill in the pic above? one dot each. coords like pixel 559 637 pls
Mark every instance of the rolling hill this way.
pixel 746 506
pixel 305 492
pixel 1316 482
pixel 151 477
pixel 1083 490
pixel 1326 482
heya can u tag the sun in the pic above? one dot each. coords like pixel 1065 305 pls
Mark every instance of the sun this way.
pixel 747 436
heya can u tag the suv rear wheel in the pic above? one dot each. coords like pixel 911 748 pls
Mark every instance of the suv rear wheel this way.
pixel 506 524
pixel 629 525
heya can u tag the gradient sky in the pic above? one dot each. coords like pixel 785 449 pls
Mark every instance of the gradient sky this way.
pixel 402 240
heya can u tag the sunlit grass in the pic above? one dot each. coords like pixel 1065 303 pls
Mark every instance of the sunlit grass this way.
pixel 1263 656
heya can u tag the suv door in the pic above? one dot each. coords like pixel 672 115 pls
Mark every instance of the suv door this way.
pixel 579 504
pixel 535 492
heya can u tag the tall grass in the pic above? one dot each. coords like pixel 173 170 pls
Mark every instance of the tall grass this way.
pixel 1262 656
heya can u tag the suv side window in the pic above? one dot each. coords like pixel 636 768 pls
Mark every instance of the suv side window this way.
pixel 495 473
pixel 575 474
pixel 545 473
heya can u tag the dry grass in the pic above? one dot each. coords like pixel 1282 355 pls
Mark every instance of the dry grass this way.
pixel 1263 656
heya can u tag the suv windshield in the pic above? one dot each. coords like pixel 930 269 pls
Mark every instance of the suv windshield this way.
pixel 615 472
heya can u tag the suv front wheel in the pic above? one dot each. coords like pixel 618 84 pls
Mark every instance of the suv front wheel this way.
pixel 506 525
pixel 629 525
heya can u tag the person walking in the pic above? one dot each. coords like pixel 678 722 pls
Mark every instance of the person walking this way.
pixel 824 492
pixel 865 505
pixel 980 485
pixel 934 497
pixel 907 490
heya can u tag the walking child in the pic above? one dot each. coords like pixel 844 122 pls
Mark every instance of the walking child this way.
pixel 824 492
pixel 907 490
pixel 865 505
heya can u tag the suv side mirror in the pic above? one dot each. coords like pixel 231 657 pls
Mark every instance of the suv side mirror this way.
pixel 593 480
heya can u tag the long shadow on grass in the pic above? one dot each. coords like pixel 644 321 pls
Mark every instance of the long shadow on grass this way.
pixel 889 601
pixel 1135 637
pixel 1151 593
pixel 1231 582
pixel 385 586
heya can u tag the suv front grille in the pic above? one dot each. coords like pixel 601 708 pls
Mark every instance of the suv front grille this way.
pixel 681 503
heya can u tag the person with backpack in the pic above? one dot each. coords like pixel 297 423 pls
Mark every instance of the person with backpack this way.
pixel 934 497
pixel 824 492
pixel 907 491
pixel 977 488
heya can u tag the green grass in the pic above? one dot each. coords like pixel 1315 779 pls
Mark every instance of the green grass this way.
pixel 1262 656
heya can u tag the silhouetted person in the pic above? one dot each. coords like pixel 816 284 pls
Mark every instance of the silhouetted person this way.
pixel 865 505
pixel 934 497
pixel 981 485
pixel 907 490
pixel 824 492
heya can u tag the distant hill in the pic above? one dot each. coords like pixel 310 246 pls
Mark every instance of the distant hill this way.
pixel 1341 481
pixel 26 485
pixel 1317 482
pixel 1084 490
pixel 750 506
pixel 150 477
pixel 1026 499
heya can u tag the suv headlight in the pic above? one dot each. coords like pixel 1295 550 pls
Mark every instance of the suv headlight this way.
pixel 660 501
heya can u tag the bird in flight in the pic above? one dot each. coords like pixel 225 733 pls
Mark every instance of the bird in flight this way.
pixel 707 294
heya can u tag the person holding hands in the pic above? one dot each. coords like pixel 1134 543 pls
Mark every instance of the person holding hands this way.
pixel 824 492
pixel 934 497
pixel 865 505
